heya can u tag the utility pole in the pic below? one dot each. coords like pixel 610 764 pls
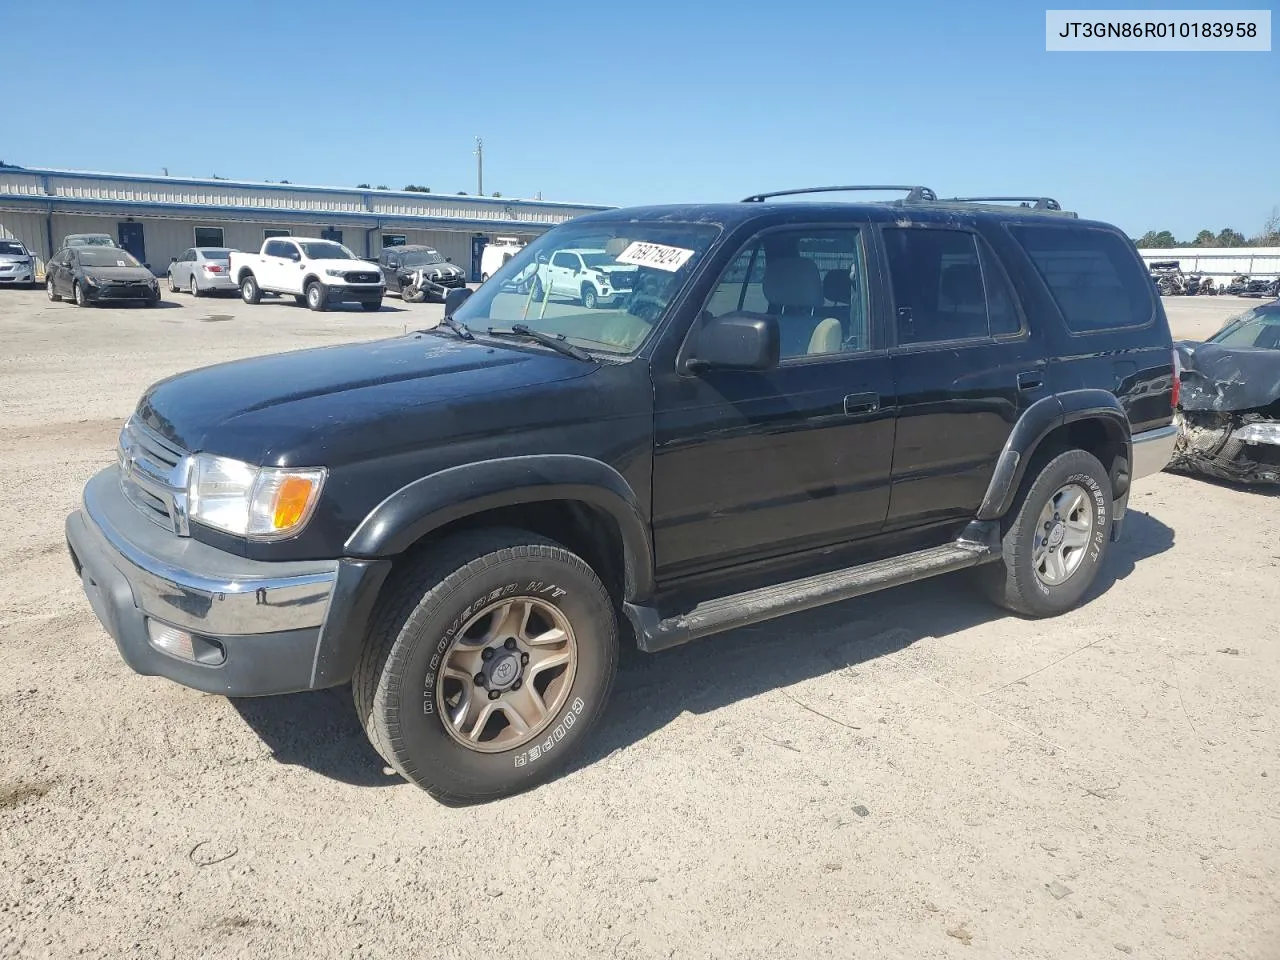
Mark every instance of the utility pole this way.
pixel 479 167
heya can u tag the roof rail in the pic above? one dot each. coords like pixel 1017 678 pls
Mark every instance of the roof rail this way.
pixel 1040 203
pixel 913 193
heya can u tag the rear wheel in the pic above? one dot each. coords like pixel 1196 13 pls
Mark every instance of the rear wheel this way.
pixel 487 664
pixel 250 292
pixel 589 298
pixel 48 287
pixel 316 297
pixel 1056 538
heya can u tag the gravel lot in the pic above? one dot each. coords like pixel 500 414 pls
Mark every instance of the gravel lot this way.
pixel 911 775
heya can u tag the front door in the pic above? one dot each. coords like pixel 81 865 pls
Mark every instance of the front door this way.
pixel 754 464
pixel 131 239
pixel 965 366
pixel 564 274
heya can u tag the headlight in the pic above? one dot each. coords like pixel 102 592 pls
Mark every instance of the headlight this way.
pixel 336 273
pixel 91 280
pixel 1258 433
pixel 261 503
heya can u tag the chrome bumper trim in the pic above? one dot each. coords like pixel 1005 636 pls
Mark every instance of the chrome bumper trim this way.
pixel 1152 450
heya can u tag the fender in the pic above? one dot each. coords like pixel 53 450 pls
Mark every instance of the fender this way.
pixel 415 510
pixel 1037 422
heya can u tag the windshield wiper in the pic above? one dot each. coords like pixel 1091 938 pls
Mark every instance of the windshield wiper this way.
pixel 557 343
pixel 457 326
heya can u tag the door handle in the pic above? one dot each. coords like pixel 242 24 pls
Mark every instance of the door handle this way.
pixel 856 403
pixel 1030 380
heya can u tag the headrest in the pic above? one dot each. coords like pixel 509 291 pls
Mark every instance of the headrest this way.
pixel 837 286
pixel 962 283
pixel 792 282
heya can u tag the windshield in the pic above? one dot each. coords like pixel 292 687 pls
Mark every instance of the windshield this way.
pixel 326 250
pixel 1253 328
pixel 91 240
pixel 10 247
pixel 106 258
pixel 650 261
pixel 420 258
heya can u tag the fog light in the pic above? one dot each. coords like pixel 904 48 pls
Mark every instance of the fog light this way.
pixel 171 640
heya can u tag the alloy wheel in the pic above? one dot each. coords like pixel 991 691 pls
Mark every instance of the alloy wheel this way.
pixel 1064 531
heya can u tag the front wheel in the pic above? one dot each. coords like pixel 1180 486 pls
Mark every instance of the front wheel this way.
pixel 535 288
pixel 1056 539
pixel 487 664
pixel 173 284
pixel 82 300
pixel 53 294
pixel 194 289
pixel 250 292
pixel 589 298
pixel 316 297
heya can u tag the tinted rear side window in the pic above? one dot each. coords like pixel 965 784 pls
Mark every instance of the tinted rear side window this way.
pixel 1093 275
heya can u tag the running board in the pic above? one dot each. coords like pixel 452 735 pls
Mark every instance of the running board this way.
pixel 742 609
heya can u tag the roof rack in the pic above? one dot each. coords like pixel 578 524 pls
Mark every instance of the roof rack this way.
pixel 913 193
pixel 1038 203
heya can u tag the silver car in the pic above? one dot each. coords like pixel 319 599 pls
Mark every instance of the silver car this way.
pixel 16 264
pixel 202 270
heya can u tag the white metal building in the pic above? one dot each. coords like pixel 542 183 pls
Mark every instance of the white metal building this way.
pixel 1221 263
pixel 157 218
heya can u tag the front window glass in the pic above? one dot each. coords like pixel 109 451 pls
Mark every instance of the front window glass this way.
pixel 636 268
pixel 102 257
pixel 1253 328
pixel 326 250
pixel 11 248
pixel 419 258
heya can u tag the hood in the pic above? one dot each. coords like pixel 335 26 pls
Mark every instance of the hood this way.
pixel 118 273
pixel 14 258
pixel 329 405
pixel 1234 379
pixel 445 269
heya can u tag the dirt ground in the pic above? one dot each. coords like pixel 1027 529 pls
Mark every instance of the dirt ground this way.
pixel 909 775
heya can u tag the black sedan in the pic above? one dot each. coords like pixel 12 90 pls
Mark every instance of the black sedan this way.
pixel 91 275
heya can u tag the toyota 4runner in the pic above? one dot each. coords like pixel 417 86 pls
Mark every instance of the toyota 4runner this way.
pixel 808 402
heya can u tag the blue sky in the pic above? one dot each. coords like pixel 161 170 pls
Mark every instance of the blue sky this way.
pixel 626 102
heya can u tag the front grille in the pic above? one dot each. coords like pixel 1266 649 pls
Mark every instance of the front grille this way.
pixel 126 291
pixel 153 475
pixel 360 277
pixel 622 281
pixel 451 280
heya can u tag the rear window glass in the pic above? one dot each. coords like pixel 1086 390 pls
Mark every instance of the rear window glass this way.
pixel 1094 276
pixel 210 254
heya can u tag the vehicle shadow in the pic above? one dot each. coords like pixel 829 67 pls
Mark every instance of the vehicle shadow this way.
pixel 319 730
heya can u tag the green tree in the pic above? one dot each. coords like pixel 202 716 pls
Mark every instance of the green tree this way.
pixel 1205 238
pixel 363 186
pixel 497 194
pixel 415 188
pixel 1158 240
pixel 1270 235
pixel 462 193
pixel 1230 238
pixel 382 186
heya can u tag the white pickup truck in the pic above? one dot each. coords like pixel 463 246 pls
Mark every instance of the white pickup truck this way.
pixel 315 272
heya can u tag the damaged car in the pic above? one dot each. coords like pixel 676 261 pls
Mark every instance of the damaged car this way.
pixel 1229 400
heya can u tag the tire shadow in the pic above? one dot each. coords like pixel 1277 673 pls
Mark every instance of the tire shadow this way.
pixel 319 730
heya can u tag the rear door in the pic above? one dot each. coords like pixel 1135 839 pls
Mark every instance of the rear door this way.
pixel 965 366
pixel 181 271
pixel 752 464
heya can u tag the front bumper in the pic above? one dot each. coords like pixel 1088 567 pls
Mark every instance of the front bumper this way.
pixel 355 293
pixel 20 275
pixel 263 628
pixel 133 292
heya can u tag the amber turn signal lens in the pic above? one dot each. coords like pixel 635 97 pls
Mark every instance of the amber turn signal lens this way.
pixel 292 500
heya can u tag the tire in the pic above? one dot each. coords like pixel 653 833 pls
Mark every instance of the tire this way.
pixel 484 277
pixel 299 299
pixel 194 289
pixel 78 292
pixel 589 298
pixel 535 288
pixel 417 634
pixel 1015 583
pixel 372 306
pixel 250 292
pixel 173 287
pixel 316 298
pixel 53 294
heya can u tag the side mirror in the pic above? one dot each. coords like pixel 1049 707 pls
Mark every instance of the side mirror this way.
pixel 173 259
pixel 454 299
pixel 393 263
pixel 737 341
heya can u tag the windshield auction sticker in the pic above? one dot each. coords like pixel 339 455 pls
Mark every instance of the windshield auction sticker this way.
pixel 655 255
pixel 1157 30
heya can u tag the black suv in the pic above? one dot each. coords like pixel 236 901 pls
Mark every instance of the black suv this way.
pixel 417 272
pixel 797 403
